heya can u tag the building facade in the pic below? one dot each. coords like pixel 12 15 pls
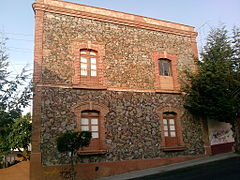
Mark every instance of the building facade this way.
pixel 117 75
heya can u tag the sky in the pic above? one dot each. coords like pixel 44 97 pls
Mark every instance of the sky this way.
pixel 17 20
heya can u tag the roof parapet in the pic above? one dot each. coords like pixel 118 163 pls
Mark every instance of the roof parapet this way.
pixel 90 12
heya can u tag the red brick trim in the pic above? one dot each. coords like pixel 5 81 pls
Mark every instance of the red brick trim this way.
pixel 194 47
pixel 109 88
pixel 36 168
pixel 37 78
pixel 36 119
pixel 88 170
pixel 91 105
pixel 36 124
pixel 38 49
pixel 179 111
pixel 106 15
pixel 174 148
pixel 37 96
pixel 195 53
pixel 144 90
pixel 159 79
pixel 77 80
pixel 92 152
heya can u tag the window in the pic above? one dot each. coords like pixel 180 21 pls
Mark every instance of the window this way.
pixel 164 67
pixel 88 63
pixel 171 131
pixel 165 70
pixel 170 127
pixel 89 122
pixel 90 116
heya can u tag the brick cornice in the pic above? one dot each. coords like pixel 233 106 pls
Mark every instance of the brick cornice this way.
pixel 106 15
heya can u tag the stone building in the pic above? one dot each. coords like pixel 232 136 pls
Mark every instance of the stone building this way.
pixel 117 75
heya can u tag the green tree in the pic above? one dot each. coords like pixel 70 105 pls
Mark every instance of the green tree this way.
pixel 213 92
pixel 12 96
pixel 71 142
pixel 20 136
pixel 236 48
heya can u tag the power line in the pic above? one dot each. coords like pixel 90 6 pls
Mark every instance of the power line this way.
pixel 20 48
pixel 18 51
pixel 14 77
pixel 18 34
pixel 18 64
pixel 31 40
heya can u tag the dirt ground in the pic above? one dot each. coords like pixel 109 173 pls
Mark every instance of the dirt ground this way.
pixel 19 171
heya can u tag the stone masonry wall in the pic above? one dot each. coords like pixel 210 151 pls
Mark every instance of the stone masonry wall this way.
pixel 128 50
pixel 132 124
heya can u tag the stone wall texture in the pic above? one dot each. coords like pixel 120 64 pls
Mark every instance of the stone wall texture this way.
pixel 128 50
pixel 132 124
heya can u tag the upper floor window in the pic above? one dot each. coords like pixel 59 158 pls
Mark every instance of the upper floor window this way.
pixel 164 67
pixel 88 63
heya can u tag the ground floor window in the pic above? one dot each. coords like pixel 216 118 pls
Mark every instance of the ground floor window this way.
pixel 90 116
pixel 90 122
pixel 171 128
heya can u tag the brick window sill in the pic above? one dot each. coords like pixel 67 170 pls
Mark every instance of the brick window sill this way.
pixel 92 152
pixel 173 148
pixel 168 91
pixel 89 87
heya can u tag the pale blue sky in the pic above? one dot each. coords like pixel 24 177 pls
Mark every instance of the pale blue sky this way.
pixel 17 19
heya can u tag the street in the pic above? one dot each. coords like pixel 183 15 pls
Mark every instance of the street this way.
pixel 220 170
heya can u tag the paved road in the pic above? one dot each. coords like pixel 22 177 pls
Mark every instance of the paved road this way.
pixel 219 170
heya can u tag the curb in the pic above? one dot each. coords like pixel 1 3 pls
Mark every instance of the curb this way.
pixel 171 167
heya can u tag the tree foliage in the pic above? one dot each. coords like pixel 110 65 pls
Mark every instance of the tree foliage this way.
pixel 20 136
pixel 13 97
pixel 214 90
pixel 71 142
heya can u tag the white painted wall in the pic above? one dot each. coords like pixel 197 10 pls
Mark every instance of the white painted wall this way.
pixel 220 132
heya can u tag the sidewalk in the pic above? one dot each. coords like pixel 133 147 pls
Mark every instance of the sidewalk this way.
pixel 161 169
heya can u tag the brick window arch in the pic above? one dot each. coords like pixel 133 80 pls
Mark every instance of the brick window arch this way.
pixel 88 65
pixel 171 128
pixel 90 116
